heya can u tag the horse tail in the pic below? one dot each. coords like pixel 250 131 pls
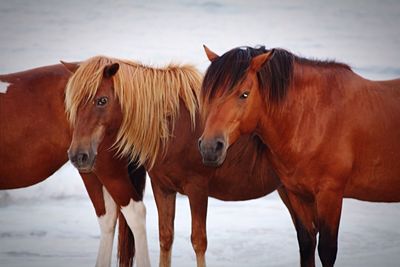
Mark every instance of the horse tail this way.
pixel 126 241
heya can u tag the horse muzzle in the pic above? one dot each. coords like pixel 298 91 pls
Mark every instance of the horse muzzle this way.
pixel 82 160
pixel 213 151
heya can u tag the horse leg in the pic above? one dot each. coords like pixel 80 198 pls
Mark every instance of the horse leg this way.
pixel 165 201
pixel 306 231
pixel 113 174
pixel 135 215
pixel 107 226
pixel 285 199
pixel 198 200
pixel 106 211
pixel 329 208
pixel 126 240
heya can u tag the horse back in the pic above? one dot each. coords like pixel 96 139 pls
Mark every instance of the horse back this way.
pixel 376 142
pixel 394 84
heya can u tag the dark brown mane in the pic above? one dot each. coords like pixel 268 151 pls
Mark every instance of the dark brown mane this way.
pixel 274 77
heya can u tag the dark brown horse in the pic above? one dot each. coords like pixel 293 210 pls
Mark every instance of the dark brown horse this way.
pixel 331 133
pixel 34 139
pixel 149 114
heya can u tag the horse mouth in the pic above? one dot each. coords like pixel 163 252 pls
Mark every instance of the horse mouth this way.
pixel 212 163
pixel 213 160
pixel 88 169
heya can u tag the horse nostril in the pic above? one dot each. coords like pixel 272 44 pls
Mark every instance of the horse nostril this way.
pixel 219 146
pixel 199 143
pixel 82 158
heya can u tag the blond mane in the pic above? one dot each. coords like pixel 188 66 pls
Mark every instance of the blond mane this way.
pixel 149 99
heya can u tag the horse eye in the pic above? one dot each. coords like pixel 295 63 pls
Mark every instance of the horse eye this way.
pixel 102 101
pixel 244 95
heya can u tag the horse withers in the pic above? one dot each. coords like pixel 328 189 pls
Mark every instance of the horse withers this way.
pixel 331 133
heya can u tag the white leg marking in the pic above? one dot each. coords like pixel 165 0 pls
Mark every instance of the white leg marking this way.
pixel 135 215
pixel 107 227
pixel 3 87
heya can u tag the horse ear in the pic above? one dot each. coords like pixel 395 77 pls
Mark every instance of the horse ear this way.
pixel 210 54
pixel 111 70
pixel 71 66
pixel 258 61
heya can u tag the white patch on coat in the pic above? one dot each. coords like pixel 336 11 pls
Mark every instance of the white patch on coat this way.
pixel 3 87
pixel 135 215
pixel 107 227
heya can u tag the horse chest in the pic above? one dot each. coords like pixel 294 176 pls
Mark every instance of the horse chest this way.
pixel 299 183
pixel 165 180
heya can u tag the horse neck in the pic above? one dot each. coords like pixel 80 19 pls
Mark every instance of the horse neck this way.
pixel 181 146
pixel 285 126
pixel 248 160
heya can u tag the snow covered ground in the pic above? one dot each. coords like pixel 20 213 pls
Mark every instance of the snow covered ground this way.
pixel 53 223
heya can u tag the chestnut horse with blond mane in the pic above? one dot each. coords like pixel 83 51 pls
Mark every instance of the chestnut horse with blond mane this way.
pixel 331 133
pixel 120 107
pixel 34 139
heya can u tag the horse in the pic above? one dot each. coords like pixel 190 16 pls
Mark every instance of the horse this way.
pixel 124 108
pixel 331 133
pixel 34 139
